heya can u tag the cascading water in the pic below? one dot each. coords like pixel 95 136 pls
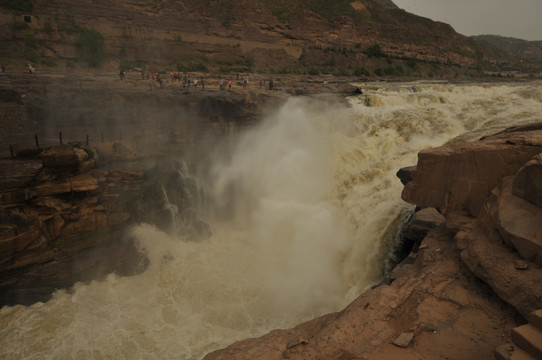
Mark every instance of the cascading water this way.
pixel 303 215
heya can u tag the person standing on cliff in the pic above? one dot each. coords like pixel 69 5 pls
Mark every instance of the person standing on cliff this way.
pixel 159 79
pixel 229 84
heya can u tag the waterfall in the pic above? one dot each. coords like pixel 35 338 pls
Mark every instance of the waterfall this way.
pixel 302 210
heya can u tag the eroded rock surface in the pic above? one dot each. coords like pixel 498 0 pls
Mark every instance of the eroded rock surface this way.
pixel 64 221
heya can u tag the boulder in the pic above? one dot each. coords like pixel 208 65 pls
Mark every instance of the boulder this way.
pixel 528 181
pixel 458 177
pixel 68 158
pixel 83 182
pixel 405 174
pixel 16 174
pixel 519 223
pixel 421 223
pixel 495 264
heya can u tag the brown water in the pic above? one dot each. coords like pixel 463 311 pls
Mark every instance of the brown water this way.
pixel 312 208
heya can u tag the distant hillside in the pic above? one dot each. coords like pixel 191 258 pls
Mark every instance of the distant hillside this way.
pixel 530 51
pixel 344 37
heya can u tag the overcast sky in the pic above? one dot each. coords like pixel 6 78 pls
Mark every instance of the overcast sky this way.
pixel 513 18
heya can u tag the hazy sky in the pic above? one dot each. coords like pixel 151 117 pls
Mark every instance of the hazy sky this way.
pixel 514 18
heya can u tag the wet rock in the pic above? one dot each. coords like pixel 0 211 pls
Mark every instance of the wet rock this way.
pixel 405 174
pixel 421 223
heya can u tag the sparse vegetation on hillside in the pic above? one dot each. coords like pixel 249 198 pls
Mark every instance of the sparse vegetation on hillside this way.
pixel 527 50
pixel 90 46
pixel 327 9
pixel 18 5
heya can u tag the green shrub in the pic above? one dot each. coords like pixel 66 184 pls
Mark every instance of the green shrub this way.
pixel 374 51
pixel 18 5
pixel 412 62
pixel 191 66
pixel 68 25
pixel 18 25
pixel 225 69
pixel 47 61
pixel 90 46
pixel 48 28
pixel 313 71
pixel 31 46
pixel 341 72
pixel 126 64
pixel 249 63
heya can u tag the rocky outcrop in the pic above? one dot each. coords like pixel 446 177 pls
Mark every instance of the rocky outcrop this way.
pixel 489 191
pixel 268 35
pixel 458 178
pixel 62 220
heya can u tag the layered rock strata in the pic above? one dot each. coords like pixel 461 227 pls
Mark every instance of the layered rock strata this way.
pixel 62 220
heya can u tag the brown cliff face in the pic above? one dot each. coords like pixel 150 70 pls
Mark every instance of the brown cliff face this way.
pixel 489 192
pixel 248 35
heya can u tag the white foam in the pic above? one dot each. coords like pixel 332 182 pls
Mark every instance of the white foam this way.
pixel 308 203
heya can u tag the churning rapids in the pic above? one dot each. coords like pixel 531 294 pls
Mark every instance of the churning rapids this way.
pixel 314 209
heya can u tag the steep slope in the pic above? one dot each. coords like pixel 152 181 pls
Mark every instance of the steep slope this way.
pixel 530 51
pixel 240 34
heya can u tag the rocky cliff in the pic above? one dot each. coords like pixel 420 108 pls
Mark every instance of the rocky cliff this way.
pixel 458 294
pixel 238 35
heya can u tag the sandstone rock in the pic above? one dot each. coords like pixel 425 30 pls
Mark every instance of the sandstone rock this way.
pixel 60 186
pixel 24 248
pixel 528 338
pixel 83 182
pixel 519 223
pixel 68 159
pixel 404 339
pixel 421 223
pixel 16 196
pixel 511 352
pixel 494 263
pixel 16 174
pixel 55 226
pixel 93 222
pixel 528 181
pixel 405 174
pixel 458 177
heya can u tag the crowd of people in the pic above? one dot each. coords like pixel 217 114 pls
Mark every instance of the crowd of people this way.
pixel 192 81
